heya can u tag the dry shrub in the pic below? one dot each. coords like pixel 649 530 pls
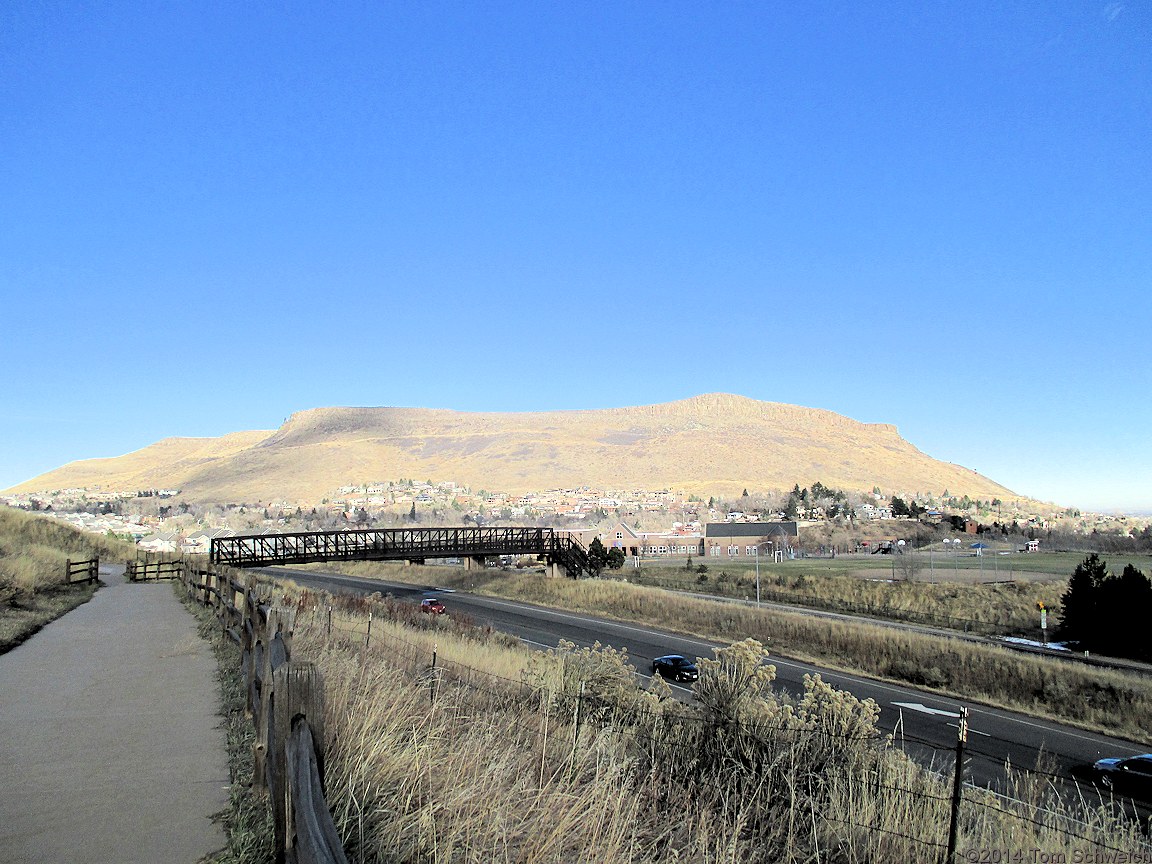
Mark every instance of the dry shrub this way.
pixel 770 764
pixel 599 678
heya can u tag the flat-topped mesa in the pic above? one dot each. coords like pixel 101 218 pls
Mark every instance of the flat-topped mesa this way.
pixel 715 443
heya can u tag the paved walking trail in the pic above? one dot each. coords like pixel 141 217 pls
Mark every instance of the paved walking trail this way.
pixel 111 745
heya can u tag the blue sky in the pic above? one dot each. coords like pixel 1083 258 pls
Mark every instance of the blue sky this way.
pixel 936 215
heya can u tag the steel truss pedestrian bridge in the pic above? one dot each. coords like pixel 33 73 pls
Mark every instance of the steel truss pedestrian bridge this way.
pixel 416 545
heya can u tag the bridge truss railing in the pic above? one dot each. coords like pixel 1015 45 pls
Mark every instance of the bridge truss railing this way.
pixel 385 544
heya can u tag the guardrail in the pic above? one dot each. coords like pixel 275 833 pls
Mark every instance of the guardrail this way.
pixel 87 571
pixel 286 703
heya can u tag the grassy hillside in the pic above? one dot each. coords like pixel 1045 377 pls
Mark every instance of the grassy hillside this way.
pixel 166 464
pixel 34 551
pixel 711 444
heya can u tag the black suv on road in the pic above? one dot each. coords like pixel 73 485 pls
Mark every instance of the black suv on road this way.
pixel 675 668
pixel 1131 775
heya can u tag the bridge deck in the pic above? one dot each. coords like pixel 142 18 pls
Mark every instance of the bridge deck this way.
pixel 395 544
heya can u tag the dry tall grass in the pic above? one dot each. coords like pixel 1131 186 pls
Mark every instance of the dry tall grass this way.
pixel 567 760
pixel 34 551
pixel 1005 608
pixel 1102 700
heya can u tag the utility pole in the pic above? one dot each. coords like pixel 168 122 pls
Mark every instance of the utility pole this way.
pixel 756 555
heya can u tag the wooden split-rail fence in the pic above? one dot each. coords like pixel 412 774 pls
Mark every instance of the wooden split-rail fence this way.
pixel 82 571
pixel 145 570
pixel 286 703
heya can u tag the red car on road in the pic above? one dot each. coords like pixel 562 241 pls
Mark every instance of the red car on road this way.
pixel 432 605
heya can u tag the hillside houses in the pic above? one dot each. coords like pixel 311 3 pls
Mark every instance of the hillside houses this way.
pixel 128 527
pixel 161 542
pixel 639 518
pixel 200 542
pixel 870 511
pixel 572 503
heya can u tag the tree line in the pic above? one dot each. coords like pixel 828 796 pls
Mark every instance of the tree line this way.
pixel 1106 613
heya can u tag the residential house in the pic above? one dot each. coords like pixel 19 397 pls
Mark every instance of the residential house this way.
pixel 163 541
pixel 200 542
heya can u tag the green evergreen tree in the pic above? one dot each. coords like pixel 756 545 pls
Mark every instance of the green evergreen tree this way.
pixel 1079 612
pixel 1125 603
pixel 597 556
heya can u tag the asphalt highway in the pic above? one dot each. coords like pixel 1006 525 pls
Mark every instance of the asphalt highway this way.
pixel 924 723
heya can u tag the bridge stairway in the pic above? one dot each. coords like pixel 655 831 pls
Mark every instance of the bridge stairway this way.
pixel 570 554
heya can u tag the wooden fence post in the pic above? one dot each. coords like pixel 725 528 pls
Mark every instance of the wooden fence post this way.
pixel 260 718
pixel 262 686
pixel 274 649
pixel 224 601
pixel 299 695
pixel 249 659
pixel 285 624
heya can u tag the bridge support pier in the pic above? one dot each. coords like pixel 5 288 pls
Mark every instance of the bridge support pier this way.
pixel 473 562
pixel 553 569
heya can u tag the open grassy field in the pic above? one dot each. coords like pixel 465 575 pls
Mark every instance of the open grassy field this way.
pixel 937 565
pixel 1000 607
pixel 996 597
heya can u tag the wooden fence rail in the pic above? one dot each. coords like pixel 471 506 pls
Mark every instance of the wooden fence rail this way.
pixel 142 571
pixel 87 571
pixel 286 703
